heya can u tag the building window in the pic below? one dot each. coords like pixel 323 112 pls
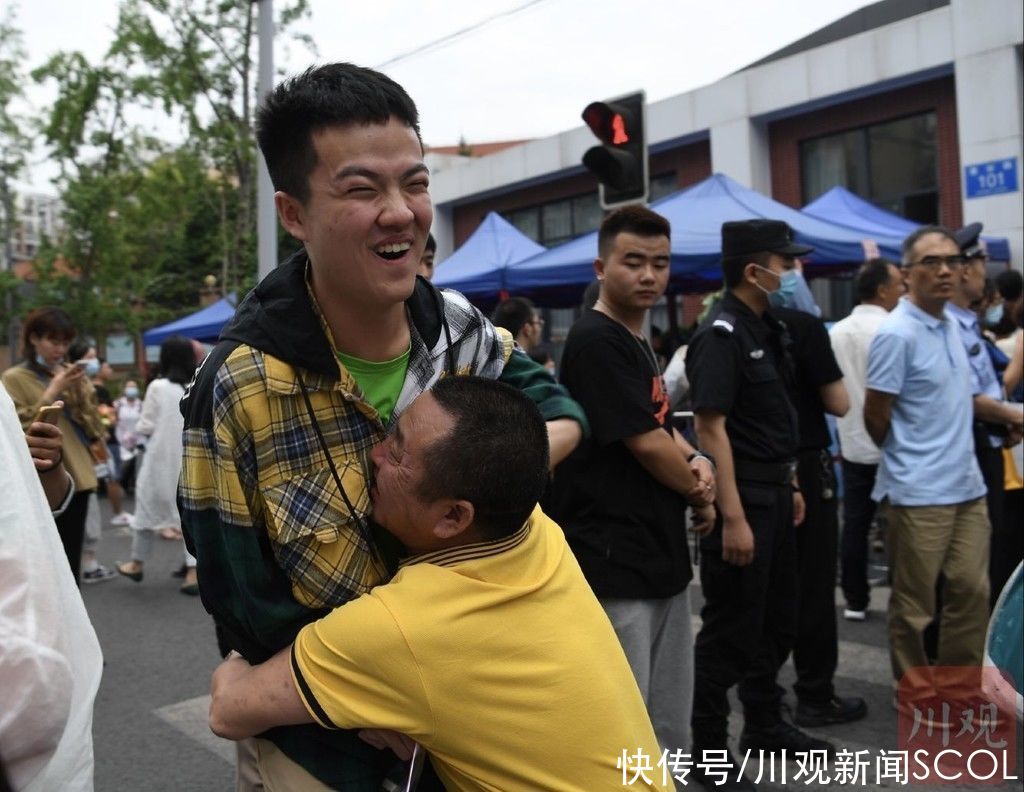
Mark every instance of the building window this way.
pixel 556 222
pixel 661 186
pixel 527 221
pixel 893 164
pixel 120 349
pixel 559 221
pixel 586 214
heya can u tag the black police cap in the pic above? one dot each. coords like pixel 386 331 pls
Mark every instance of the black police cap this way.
pixel 969 239
pixel 746 237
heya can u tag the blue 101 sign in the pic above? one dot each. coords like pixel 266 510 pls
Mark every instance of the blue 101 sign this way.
pixel 991 178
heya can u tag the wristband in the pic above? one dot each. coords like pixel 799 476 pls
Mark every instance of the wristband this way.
pixel 703 455
pixel 796 487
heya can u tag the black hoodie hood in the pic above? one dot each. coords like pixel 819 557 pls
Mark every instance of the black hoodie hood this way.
pixel 278 318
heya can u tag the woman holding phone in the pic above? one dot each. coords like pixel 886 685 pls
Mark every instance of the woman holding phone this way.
pixel 42 378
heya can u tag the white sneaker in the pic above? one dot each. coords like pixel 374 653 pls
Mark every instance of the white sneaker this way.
pixel 855 615
pixel 98 575
pixel 124 518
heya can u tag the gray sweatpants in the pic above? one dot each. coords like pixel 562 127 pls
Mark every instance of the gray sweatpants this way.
pixel 657 637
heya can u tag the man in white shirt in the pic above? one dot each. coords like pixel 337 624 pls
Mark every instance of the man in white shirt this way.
pixel 879 286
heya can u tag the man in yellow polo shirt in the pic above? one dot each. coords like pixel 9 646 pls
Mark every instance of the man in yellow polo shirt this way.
pixel 488 647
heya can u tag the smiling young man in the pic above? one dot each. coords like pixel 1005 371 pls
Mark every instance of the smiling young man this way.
pixel 919 408
pixel 318 362
pixel 487 648
pixel 622 496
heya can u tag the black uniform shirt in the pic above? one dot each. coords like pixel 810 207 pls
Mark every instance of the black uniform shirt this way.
pixel 737 365
pixel 815 365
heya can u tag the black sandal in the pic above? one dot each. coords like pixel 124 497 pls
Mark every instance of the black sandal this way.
pixel 136 576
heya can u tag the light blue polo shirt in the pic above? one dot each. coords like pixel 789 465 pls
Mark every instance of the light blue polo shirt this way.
pixel 928 455
pixel 984 379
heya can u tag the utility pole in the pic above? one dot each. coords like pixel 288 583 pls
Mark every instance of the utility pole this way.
pixel 266 215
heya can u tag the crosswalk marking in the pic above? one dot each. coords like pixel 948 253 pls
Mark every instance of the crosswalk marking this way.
pixel 191 718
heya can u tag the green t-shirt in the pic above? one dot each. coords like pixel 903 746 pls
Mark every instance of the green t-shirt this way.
pixel 381 383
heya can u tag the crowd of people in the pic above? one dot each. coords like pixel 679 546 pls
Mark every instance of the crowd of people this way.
pixel 402 523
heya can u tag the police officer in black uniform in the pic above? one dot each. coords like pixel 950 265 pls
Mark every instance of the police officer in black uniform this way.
pixel 739 368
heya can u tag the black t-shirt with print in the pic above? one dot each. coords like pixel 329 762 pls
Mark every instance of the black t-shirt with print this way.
pixel 627 531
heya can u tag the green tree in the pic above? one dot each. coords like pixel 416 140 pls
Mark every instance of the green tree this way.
pixel 142 214
pixel 14 146
pixel 203 71
pixel 102 157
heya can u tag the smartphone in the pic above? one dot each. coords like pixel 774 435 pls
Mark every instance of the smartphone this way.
pixel 81 363
pixel 48 413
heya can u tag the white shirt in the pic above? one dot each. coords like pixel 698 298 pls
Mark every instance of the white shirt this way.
pixel 676 383
pixel 156 486
pixel 851 339
pixel 50 660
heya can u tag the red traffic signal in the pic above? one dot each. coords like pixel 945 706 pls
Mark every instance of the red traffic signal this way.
pixel 620 164
pixel 610 122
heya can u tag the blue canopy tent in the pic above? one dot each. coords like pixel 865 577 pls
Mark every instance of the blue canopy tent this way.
pixel 478 267
pixel 696 214
pixel 203 325
pixel 841 206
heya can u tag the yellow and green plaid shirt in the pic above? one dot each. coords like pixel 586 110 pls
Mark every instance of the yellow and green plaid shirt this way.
pixel 265 467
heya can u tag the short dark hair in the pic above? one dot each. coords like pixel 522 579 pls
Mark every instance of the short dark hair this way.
pixel 177 360
pixel 496 456
pixel 872 275
pixel 1010 285
pixel 431 245
pixel 733 266
pixel 48 322
pixel 512 314
pixel 990 291
pixel 78 349
pixel 908 244
pixel 637 220
pixel 336 94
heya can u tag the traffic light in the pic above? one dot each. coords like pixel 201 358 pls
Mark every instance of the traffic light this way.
pixel 620 164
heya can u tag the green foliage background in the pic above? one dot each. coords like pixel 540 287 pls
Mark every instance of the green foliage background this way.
pixel 145 219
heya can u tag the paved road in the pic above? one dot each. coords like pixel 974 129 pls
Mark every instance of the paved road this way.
pixel 150 722
pixel 159 650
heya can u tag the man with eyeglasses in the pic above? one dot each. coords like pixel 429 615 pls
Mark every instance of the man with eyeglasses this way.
pixel 992 417
pixel 520 318
pixel 918 409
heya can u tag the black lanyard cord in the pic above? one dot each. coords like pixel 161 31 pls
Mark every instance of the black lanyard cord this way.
pixel 361 526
